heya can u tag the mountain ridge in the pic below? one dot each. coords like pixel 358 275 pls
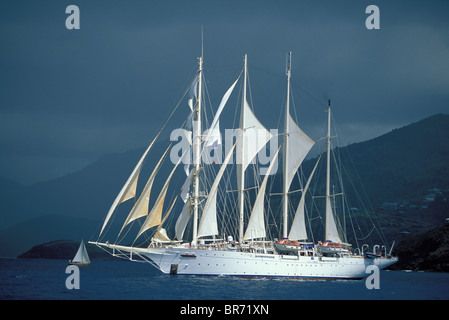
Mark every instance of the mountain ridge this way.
pixel 390 156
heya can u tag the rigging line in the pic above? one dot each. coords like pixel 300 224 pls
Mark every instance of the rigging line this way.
pixel 245 189
pixel 368 217
pixel 237 108
pixel 206 95
pixel 340 169
pixel 262 93
pixel 294 105
pixel 369 208
pixel 248 82
pixel 369 234
pixel 176 107
pixel 320 103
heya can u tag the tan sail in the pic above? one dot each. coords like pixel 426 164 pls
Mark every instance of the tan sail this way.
pixel 161 236
pixel 128 190
pixel 140 208
pixel 161 233
pixel 155 215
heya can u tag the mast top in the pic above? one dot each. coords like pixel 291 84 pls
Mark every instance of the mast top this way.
pixel 202 42
pixel 288 64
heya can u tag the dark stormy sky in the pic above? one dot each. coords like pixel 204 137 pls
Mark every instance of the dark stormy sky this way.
pixel 67 97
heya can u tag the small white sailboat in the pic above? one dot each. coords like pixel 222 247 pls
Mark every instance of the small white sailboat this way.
pixel 210 249
pixel 81 258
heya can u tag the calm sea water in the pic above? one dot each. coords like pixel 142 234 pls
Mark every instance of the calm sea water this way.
pixel 45 279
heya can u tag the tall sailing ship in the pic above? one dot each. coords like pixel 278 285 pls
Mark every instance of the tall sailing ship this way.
pixel 228 237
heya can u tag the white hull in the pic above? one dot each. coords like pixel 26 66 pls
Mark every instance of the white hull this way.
pixel 184 261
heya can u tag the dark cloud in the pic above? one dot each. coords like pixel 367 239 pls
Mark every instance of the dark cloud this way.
pixel 69 97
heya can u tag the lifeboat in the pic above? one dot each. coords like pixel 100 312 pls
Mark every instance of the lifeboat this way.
pixel 292 246
pixel 287 246
pixel 331 247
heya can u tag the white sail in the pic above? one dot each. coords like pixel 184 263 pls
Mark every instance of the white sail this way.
pixel 331 227
pixel 128 190
pixel 185 189
pixel 256 224
pixel 183 219
pixel 299 145
pixel 81 256
pixel 155 216
pixel 187 160
pixel 212 133
pixel 255 137
pixel 208 223
pixel 298 229
pixel 212 136
pixel 212 143
pixel 193 93
pixel 140 208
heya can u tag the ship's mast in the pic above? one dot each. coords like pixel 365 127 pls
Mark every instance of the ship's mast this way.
pixel 328 167
pixel 241 172
pixel 285 158
pixel 197 152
